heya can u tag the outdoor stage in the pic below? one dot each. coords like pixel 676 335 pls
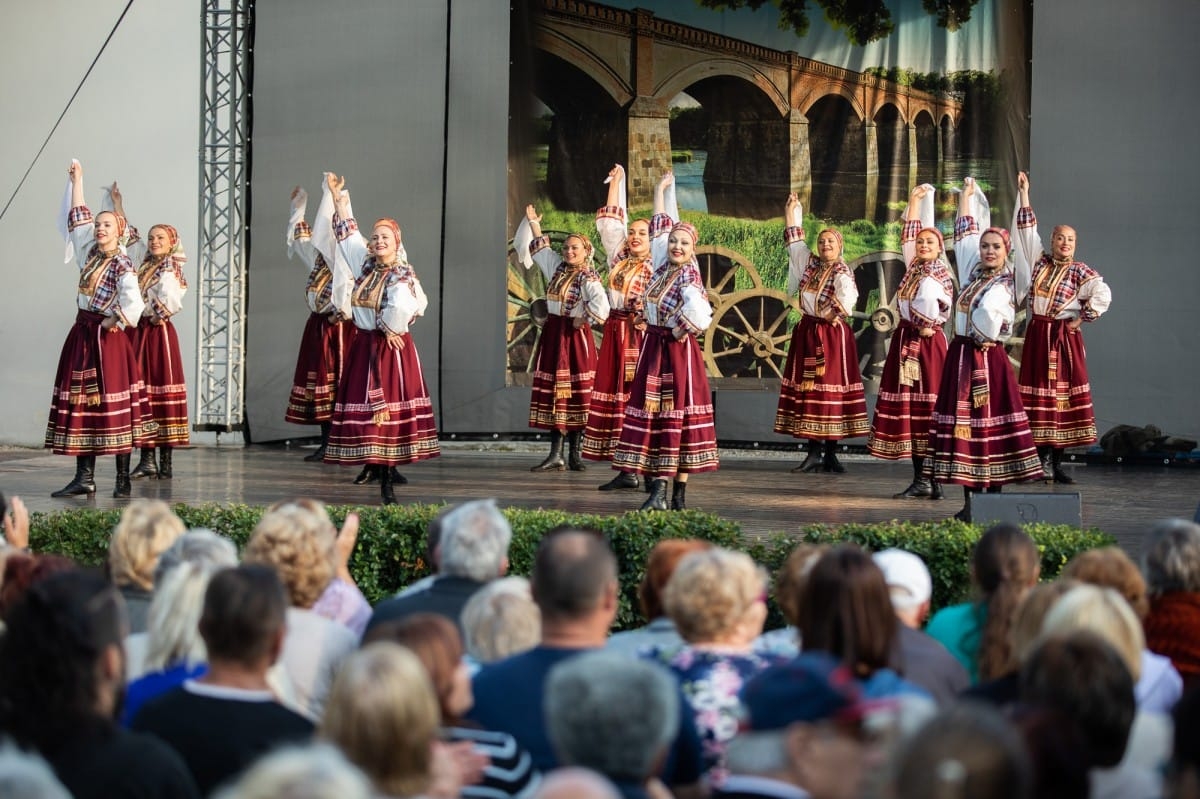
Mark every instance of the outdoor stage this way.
pixel 755 489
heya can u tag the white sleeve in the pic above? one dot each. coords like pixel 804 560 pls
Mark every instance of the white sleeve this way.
pixel 993 319
pixel 845 290
pixel 295 217
pixel 612 236
pixel 1027 249
pixel 129 304
pixel 521 241
pixel 966 255
pixel 932 301
pixel 83 237
pixel 595 301
pixel 1095 295
pixel 405 302
pixel 353 249
pixel 547 260
pixel 166 295
pixel 696 308
pixel 798 257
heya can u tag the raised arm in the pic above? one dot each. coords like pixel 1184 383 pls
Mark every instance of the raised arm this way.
pixel 135 245
pixel 540 250
pixel 1027 244
pixel 662 221
pixel 966 233
pixel 793 236
pixel 913 222
pixel 345 228
pixel 611 221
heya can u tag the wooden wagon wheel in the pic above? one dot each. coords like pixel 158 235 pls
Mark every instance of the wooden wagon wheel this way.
pixel 875 316
pixel 749 334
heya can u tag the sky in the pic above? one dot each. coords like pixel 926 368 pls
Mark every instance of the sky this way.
pixel 917 42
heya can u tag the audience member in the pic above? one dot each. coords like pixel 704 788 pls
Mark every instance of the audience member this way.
pixel 1023 637
pixel 175 651
pixel 146 529
pixel 1171 562
pixel 23 569
pixel 342 601
pixel 1004 565
pixel 473 551
pixel 789 587
pixel 61 681
pixel 297 540
pixel 433 541
pixel 223 721
pixel 317 771
pixel 574 584
pixel 659 631
pixel 1085 679
pixel 434 640
pixel 717 599
pixel 846 611
pixel 920 658
pixel 1183 776
pixel 803 734
pixel 199 546
pixel 1057 752
pixel 499 620
pixel 1159 685
pixel 966 751
pixel 618 716
pixel 383 715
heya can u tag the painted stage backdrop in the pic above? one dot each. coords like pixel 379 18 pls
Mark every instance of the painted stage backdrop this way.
pixel 746 101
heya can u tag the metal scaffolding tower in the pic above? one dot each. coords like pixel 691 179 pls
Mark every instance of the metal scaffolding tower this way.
pixel 226 59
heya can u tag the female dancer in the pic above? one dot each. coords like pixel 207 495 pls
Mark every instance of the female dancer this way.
pixel 980 435
pixel 913 369
pixel 821 395
pixel 566 361
pixel 329 333
pixel 160 261
pixel 668 430
pixel 382 416
pixel 629 269
pixel 1063 294
pixel 98 406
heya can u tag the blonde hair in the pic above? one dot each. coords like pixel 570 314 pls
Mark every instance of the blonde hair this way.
pixel 501 619
pixel 383 714
pixel 1025 633
pixel 172 623
pixel 314 771
pixel 146 529
pixel 1104 612
pixel 296 538
pixel 711 591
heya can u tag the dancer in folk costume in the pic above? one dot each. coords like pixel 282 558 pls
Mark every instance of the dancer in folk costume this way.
pixel 629 268
pixel 160 260
pixel 1063 294
pixel 913 370
pixel 98 406
pixel 980 436
pixel 382 416
pixel 566 359
pixel 668 431
pixel 821 394
pixel 328 333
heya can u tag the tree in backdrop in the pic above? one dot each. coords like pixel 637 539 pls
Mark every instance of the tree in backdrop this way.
pixel 863 20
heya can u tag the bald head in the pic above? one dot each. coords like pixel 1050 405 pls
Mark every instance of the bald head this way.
pixel 573 572
pixel 575 783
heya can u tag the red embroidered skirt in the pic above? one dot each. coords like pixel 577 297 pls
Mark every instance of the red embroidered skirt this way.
pixel 619 351
pixel 668 425
pixel 98 406
pixel 382 414
pixel 562 379
pixel 324 348
pixel 980 435
pixel 821 393
pixel 1054 385
pixel 157 349
pixel 907 392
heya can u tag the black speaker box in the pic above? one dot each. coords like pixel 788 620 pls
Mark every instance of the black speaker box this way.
pixel 1025 508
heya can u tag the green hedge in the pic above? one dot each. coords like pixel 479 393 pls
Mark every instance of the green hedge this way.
pixel 391 542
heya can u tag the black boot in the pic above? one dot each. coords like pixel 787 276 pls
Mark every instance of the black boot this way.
pixel 84 482
pixel 658 495
pixel 386 493
pixel 964 515
pixel 319 453
pixel 830 462
pixel 574 440
pixel 1056 470
pixel 993 489
pixel 397 478
pixel 369 474
pixel 146 466
pixel 677 496
pixel 812 463
pixel 622 480
pixel 164 463
pixel 920 486
pixel 935 490
pixel 554 461
pixel 1046 454
pixel 123 486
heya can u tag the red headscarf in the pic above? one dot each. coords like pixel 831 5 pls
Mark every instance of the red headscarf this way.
pixel 837 235
pixel 1003 234
pixel 688 228
pixel 938 233
pixel 388 222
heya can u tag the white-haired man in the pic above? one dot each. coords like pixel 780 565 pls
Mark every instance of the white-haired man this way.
pixel 472 552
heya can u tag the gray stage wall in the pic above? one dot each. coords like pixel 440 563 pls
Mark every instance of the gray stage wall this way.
pixel 361 87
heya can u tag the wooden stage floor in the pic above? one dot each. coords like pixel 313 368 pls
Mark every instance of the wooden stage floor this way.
pixel 755 489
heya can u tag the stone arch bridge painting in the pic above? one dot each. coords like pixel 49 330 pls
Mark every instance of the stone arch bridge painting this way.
pixel 742 123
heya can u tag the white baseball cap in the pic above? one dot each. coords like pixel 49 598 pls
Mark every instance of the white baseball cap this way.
pixel 907 578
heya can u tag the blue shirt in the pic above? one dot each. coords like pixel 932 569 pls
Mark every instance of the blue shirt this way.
pixel 959 628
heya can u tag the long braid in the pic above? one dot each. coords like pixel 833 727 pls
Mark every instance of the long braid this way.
pixel 1006 564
